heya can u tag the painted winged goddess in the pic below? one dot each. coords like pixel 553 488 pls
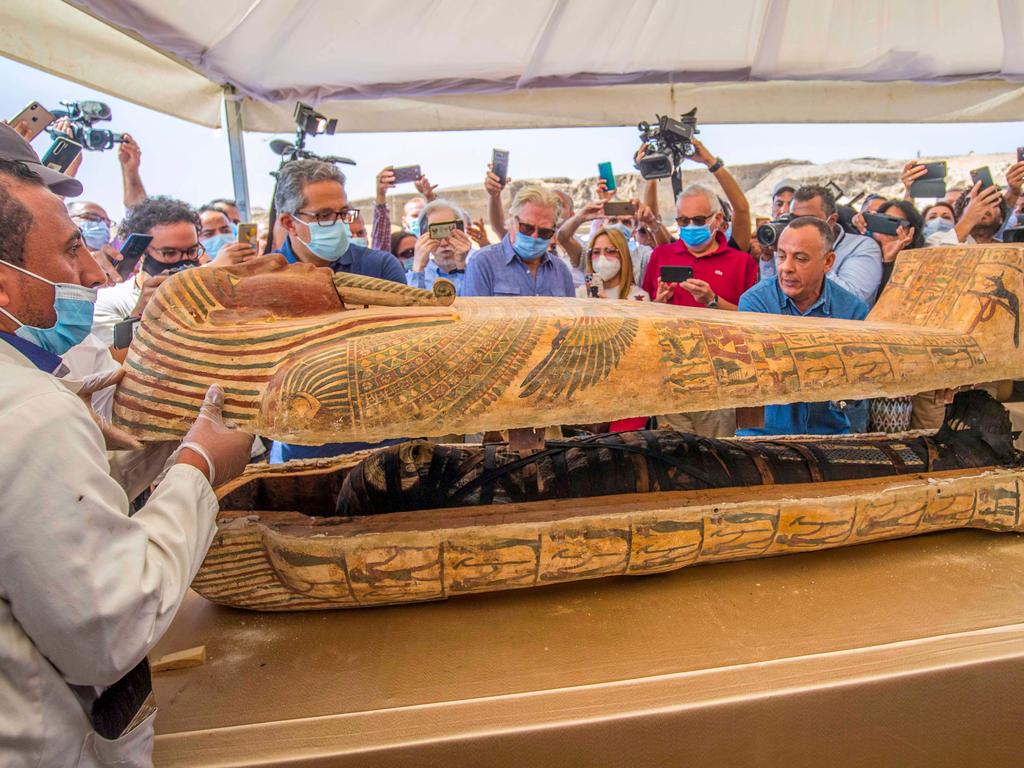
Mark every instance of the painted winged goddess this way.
pixel 310 357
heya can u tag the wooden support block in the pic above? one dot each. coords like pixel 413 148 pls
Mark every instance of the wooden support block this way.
pixel 191 657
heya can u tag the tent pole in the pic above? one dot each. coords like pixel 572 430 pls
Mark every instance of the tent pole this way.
pixel 233 122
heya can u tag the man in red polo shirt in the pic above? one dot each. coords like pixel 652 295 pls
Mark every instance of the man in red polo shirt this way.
pixel 720 274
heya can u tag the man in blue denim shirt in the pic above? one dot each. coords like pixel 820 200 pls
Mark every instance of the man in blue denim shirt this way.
pixel 313 209
pixel 804 256
pixel 520 265
pixel 446 257
pixel 858 259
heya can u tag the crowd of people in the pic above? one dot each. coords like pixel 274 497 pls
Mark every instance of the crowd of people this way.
pixel 74 625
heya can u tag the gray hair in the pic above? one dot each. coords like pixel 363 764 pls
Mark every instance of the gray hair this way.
pixel 295 176
pixel 697 190
pixel 436 205
pixel 536 196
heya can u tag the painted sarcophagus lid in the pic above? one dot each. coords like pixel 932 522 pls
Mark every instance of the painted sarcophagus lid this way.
pixel 309 357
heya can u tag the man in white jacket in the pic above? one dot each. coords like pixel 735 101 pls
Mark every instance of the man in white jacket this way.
pixel 85 590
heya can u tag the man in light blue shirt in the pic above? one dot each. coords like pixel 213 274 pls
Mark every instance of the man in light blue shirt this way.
pixel 858 259
pixel 444 257
pixel 803 257
pixel 520 265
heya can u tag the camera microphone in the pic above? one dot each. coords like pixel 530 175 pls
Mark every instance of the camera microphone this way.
pixel 281 147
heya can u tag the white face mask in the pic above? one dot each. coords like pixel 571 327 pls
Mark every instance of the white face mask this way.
pixel 607 268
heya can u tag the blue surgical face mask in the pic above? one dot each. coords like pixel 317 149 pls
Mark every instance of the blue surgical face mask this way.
pixel 215 243
pixel 529 248
pixel 361 241
pixel 695 236
pixel 96 234
pixel 74 307
pixel 328 242
pixel 728 232
pixel 937 225
pixel 414 227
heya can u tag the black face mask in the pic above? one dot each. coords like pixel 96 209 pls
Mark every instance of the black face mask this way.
pixel 154 267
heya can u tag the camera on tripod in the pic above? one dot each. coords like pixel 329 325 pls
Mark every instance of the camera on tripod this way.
pixel 667 144
pixel 83 115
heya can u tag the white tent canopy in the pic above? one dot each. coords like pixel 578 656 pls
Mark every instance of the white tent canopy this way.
pixel 400 65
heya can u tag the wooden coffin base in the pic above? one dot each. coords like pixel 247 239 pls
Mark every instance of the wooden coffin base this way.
pixel 288 561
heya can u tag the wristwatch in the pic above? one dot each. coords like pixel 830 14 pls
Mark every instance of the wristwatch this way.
pixel 716 166
pixel 713 304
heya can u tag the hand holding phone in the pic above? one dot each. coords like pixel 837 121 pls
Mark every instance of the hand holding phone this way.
pixel 932 183
pixel 879 223
pixel 604 170
pixel 61 154
pixel 131 252
pixel 406 174
pixel 673 274
pixel 248 233
pixel 31 121
pixel 984 175
pixel 499 164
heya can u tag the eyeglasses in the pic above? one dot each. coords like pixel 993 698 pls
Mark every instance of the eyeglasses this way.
pixel 173 255
pixel 93 217
pixel 699 221
pixel 544 233
pixel 327 218
pixel 605 252
pixel 408 253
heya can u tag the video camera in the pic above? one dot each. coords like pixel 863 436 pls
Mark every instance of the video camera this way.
pixel 83 114
pixel 308 122
pixel 768 233
pixel 667 143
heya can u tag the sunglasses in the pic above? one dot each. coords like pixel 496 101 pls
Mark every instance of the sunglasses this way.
pixel 700 221
pixel 544 233
pixel 408 253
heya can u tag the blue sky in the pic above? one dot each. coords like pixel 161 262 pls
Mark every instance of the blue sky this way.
pixel 191 162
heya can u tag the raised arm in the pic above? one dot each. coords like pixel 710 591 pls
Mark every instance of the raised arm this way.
pixel 130 155
pixel 495 210
pixel 733 193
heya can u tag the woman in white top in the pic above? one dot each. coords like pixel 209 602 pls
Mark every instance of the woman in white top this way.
pixel 609 269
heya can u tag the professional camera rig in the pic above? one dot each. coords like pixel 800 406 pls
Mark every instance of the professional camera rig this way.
pixel 308 122
pixel 83 115
pixel 667 144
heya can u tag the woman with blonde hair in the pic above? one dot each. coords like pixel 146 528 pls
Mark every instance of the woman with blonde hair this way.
pixel 609 269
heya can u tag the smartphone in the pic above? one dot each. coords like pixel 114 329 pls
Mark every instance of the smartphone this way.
pixel 604 170
pixel 984 175
pixel 499 164
pixel 1020 154
pixel 61 154
pixel 932 183
pixel 406 173
pixel 248 233
pixel 124 332
pixel 612 208
pixel 443 229
pixel 131 252
pixel 676 274
pixel 35 116
pixel 884 225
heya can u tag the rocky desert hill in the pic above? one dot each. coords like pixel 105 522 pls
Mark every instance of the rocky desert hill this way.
pixel 862 174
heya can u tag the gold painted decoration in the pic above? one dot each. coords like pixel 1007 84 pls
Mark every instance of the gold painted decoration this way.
pixel 285 560
pixel 309 357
